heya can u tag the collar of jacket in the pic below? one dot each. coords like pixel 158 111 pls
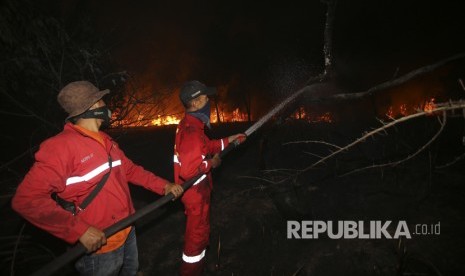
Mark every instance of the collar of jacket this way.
pixel 70 127
pixel 194 121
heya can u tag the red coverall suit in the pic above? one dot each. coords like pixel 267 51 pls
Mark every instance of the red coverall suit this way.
pixel 71 164
pixel 192 147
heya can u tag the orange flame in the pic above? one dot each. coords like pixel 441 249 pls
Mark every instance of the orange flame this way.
pixel 301 114
pixel 405 110
pixel 390 112
pixel 165 120
pixel 226 117
pixel 429 106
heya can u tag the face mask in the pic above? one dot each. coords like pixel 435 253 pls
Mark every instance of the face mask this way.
pixel 203 114
pixel 103 113
pixel 205 110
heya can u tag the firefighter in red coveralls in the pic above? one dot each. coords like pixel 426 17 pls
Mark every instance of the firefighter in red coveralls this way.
pixel 69 166
pixel 195 154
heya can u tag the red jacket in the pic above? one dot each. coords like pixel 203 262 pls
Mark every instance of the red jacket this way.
pixel 71 164
pixel 192 150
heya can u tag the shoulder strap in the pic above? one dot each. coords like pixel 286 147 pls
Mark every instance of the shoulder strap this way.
pixel 97 188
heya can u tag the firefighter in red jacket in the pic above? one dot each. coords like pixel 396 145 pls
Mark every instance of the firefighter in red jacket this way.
pixel 69 165
pixel 195 154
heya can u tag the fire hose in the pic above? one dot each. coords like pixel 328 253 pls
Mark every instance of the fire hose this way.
pixel 79 249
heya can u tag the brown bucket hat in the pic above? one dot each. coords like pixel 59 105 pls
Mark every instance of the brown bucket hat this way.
pixel 77 97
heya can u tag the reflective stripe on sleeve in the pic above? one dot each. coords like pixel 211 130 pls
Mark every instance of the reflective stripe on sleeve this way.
pixel 176 160
pixel 204 162
pixel 222 144
pixel 199 180
pixel 193 259
pixel 88 176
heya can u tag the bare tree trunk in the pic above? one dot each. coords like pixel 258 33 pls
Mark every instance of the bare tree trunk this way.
pixel 328 35
pixel 217 112
pixel 248 103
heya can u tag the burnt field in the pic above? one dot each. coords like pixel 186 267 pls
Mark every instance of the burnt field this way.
pixel 266 182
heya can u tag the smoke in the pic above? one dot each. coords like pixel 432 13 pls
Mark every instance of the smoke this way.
pixel 288 74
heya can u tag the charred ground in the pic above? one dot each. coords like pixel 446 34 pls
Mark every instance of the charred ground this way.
pixel 249 215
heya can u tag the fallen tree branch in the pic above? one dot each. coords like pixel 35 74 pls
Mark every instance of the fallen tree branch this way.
pixel 395 163
pixel 457 159
pixel 15 250
pixel 461 84
pixel 389 84
pixel 257 178
pixel 441 108
pixel 8 163
pixel 315 142
pixel 313 154
pixel 30 112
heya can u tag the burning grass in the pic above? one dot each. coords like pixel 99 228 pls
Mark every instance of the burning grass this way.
pixel 405 109
pixel 236 115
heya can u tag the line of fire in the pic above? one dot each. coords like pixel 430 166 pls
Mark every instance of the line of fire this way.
pixel 148 108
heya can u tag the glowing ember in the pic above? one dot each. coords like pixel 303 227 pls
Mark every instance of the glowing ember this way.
pixel 238 116
pixel 390 112
pixel 326 118
pixel 404 109
pixel 429 106
pixel 301 114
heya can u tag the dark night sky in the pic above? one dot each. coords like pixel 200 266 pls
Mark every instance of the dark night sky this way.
pixel 268 46
pixel 216 41
pixel 278 43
